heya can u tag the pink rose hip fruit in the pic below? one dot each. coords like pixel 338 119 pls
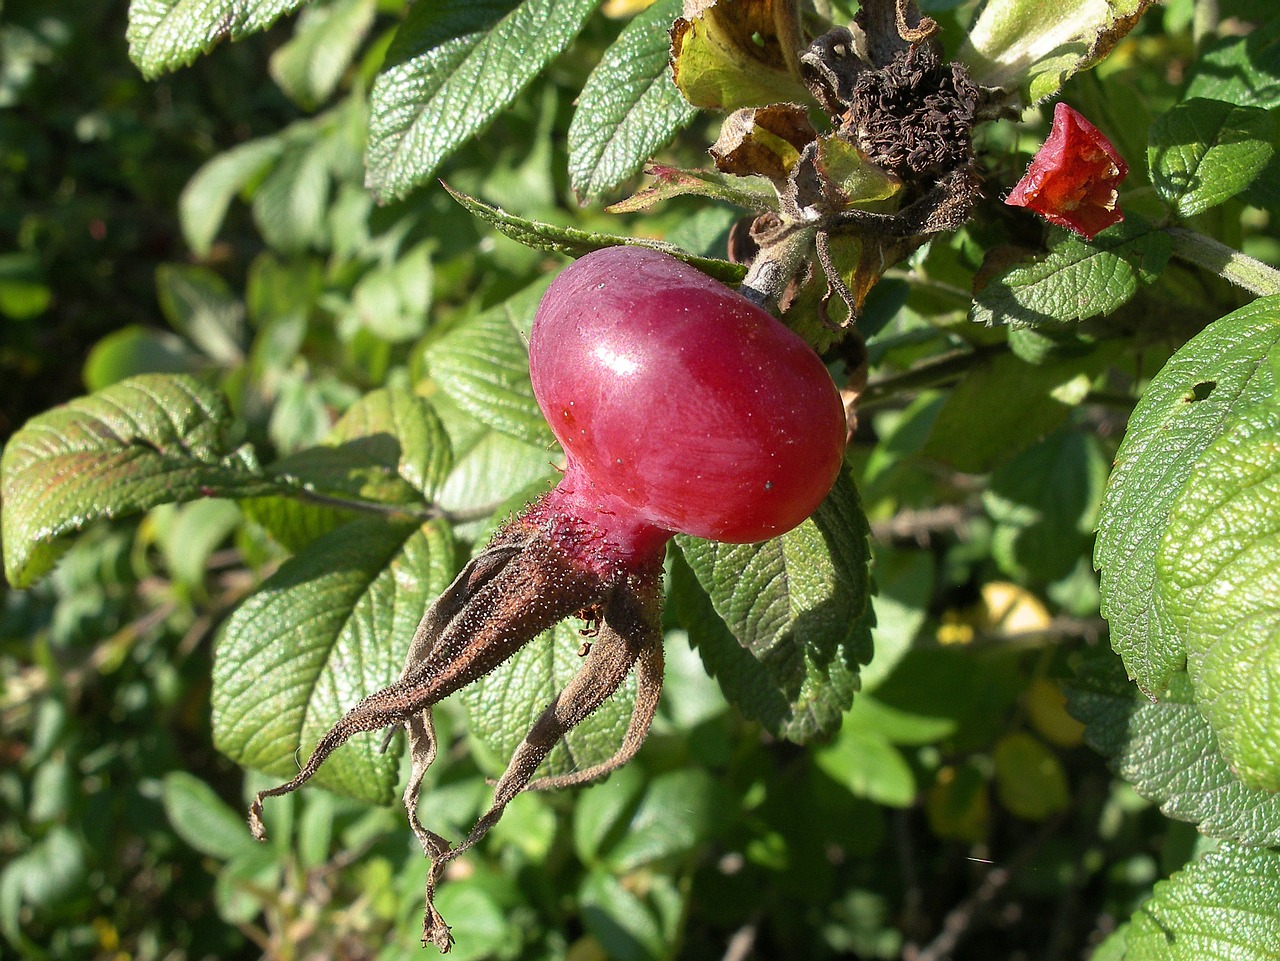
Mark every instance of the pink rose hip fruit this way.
pixel 677 396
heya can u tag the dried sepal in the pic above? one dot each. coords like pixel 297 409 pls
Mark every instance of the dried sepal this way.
pixel 763 141
pixel 1074 177
pixel 629 635
pixel 524 582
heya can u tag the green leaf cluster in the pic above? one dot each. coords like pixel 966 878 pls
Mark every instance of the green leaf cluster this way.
pixel 297 430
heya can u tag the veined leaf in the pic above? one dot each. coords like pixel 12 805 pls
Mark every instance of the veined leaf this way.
pixel 483 365
pixel 749 193
pixel 1219 584
pixel 330 627
pixel 797 605
pixel 1225 905
pixel 1168 752
pixel 1079 279
pixel 1203 152
pixel 1187 406
pixel 1243 70
pixel 454 65
pixel 154 439
pixel 166 34
pixel 389 448
pixel 503 705
pixel 491 469
pixel 575 243
pixel 629 108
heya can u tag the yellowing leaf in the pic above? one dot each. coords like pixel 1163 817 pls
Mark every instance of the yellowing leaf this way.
pixel 736 53
pixel 1013 610
pixel 1047 711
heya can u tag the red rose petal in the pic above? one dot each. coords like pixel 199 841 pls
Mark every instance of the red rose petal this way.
pixel 1074 176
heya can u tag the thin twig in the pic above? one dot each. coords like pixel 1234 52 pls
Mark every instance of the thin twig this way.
pixel 960 918
pixel 917 525
pixel 936 372
pixel 424 512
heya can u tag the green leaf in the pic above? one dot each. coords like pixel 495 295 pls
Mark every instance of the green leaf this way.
pixel 797 605
pixel 400 434
pixel 628 108
pixel 865 762
pixel 1226 905
pixel 203 819
pixel 602 812
pixel 329 628
pixel 150 440
pixel 622 922
pixel 24 290
pixel 1034 47
pixel 391 300
pixel 204 201
pixel 749 193
pixel 452 68
pixel 388 448
pixel 292 202
pixel 1219 585
pixel 190 534
pixel 490 468
pixel 1219 372
pixel 309 67
pixel 1077 280
pixel 199 305
pixel 1203 152
pixel 483 365
pixel 1030 780
pixel 1044 503
pixel 1005 405
pixel 904 585
pixel 732 55
pixel 483 927
pixel 135 350
pixel 1243 70
pixel 894 724
pixel 503 705
pixel 575 243
pixel 166 34
pixel 653 834
pixel 1168 752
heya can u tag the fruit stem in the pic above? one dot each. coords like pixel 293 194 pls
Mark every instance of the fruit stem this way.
pixel 781 252
pixel 1227 262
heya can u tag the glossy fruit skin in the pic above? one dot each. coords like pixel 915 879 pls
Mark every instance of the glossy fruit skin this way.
pixel 678 398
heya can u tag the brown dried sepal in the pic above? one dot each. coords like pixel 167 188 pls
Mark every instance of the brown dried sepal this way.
pixel 520 585
pixel 763 141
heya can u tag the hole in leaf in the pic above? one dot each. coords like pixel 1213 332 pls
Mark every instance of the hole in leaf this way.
pixel 1201 391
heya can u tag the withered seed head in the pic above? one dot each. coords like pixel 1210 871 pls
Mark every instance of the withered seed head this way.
pixel 915 116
